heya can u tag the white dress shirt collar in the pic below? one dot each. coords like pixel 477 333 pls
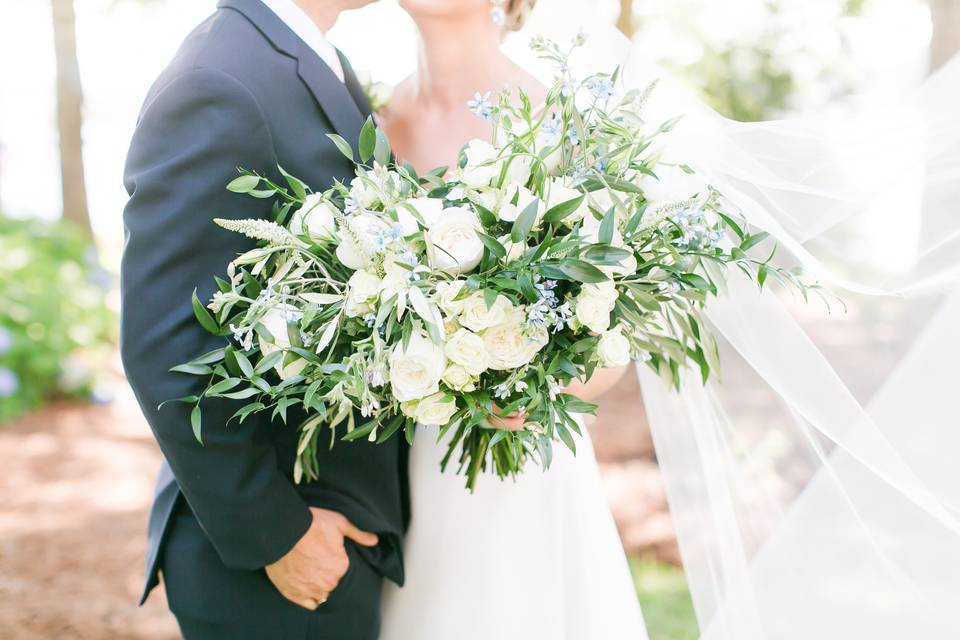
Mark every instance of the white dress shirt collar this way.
pixel 308 31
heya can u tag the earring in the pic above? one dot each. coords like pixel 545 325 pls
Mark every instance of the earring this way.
pixel 498 12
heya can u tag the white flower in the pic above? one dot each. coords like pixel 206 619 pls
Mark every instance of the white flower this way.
pixel 518 171
pixel 429 209
pixel 458 378
pixel 514 249
pixel 467 349
pixel 594 304
pixel 674 185
pixel 316 218
pixel 510 212
pixel 559 192
pixel 359 240
pixel 433 411
pixel 446 297
pixel 275 321
pixel 364 191
pixel 453 245
pixel 512 345
pixel 476 316
pixel 481 168
pixel 613 349
pixel 415 371
pixel 364 287
pixel 396 280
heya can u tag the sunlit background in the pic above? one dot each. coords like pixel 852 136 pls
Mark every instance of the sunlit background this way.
pixel 78 460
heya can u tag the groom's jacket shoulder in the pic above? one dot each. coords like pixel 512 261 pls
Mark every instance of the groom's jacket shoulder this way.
pixel 226 52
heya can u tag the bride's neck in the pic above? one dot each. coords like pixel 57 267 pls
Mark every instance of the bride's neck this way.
pixel 458 59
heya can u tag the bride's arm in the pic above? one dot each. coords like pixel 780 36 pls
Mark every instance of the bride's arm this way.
pixel 602 381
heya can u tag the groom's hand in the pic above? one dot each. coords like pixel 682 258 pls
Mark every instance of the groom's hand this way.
pixel 313 568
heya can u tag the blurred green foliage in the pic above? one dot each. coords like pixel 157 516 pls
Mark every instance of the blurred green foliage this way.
pixel 665 599
pixel 56 332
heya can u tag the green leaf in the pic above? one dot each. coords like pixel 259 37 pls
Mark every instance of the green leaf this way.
pixel 195 419
pixel 753 240
pixel 381 152
pixel 490 297
pixel 203 316
pixel 361 432
pixel 244 364
pixel 243 394
pixel 223 385
pixel 607 226
pixel 562 210
pixel 582 271
pixel 493 245
pixel 268 362
pixel 210 357
pixel 246 410
pixel 299 188
pixel 524 222
pixel 192 369
pixel 342 145
pixel 368 140
pixel 244 184
pixel 606 255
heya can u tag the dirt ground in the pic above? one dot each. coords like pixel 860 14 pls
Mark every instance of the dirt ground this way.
pixel 76 484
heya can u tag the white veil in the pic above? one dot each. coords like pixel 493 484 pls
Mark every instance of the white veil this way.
pixel 812 503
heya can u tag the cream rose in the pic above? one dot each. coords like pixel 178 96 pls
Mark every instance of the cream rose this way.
pixel 415 371
pixel 458 378
pixel 476 316
pixel 593 306
pixel 613 349
pixel 363 290
pixel 446 297
pixel 435 410
pixel 429 209
pixel 511 344
pixel 467 349
pixel 275 320
pixel 453 245
pixel 315 219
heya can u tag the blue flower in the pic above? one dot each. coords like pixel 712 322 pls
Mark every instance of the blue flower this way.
pixel 481 106
pixel 601 88
pixel 9 383
pixel 572 135
pixel 551 130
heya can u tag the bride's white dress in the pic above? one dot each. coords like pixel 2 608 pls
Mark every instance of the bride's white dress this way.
pixel 534 559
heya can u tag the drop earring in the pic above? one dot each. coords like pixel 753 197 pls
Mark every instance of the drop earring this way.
pixel 498 12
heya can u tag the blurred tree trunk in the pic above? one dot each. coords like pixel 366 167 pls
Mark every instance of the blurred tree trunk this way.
pixel 946 30
pixel 70 116
pixel 625 21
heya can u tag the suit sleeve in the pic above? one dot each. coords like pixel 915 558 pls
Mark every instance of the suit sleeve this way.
pixel 189 141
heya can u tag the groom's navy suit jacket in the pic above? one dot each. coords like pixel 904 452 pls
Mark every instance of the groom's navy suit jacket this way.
pixel 243 91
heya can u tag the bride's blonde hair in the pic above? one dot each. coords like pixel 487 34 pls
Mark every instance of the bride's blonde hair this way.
pixel 517 13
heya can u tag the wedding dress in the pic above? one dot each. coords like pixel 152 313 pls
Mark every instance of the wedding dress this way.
pixel 538 558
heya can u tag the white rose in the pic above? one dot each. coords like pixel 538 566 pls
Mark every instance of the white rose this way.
pixel 476 316
pixel 481 168
pixel 458 378
pixel 467 349
pixel 446 297
pixel 429 209
pixel 363 290
pixel 487 198
pixel 435 410
pixel 358 243
pixel 593 310
pixel 511 345
pixel 275 321
pixel 674 185
pixel 613 349
pixel 453 245
pixel 315 219
pixel 518 172
pixel 510 212
pixel 415 371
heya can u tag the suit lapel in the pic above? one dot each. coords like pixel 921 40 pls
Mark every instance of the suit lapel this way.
pixel 333 96
pixel 353 86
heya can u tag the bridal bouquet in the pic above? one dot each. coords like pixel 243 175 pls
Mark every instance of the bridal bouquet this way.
pixel 444 299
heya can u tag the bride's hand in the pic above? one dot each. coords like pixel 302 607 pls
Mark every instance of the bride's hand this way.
pixel 512 422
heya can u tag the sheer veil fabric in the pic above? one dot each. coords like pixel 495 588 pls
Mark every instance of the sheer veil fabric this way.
pixel 816 492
